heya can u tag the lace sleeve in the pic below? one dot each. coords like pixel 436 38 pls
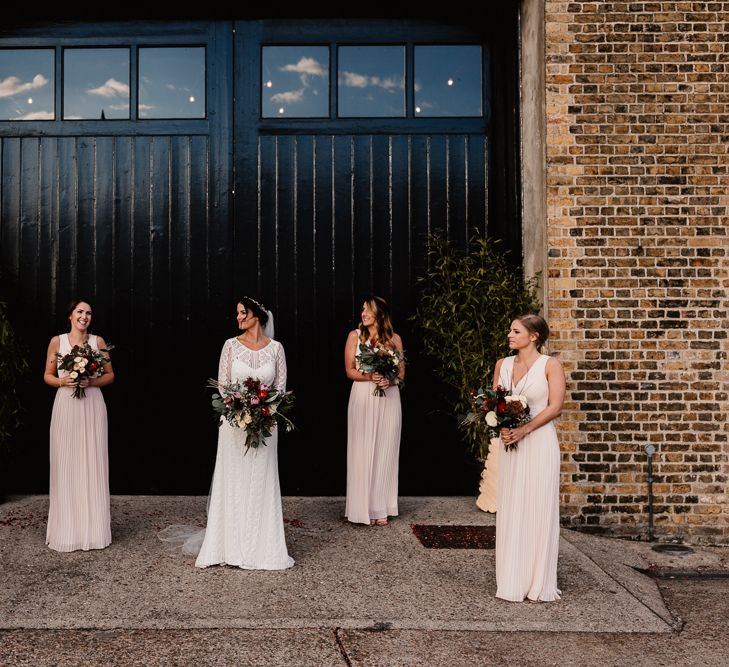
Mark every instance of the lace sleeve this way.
pixel 226 361
pixel 280 382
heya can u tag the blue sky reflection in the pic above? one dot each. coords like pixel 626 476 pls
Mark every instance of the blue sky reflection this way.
pixel 295 82
pixel 95 81
pixel 371 81
pixel 26 84
pixel 448 81
pixel 172 82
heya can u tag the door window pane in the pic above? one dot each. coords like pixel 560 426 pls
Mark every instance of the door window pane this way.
pixel 26 84
pixel 95 84
pixel 172 82
pixel 448 81
pixel 371 81
pixel 295 82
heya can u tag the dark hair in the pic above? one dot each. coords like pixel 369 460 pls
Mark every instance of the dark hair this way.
pixel 256 307
pixel 73 303
pixel 383 323
pixel 535 324
pixel 72 306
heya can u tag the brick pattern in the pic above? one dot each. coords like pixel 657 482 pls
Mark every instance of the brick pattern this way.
pixel 638 275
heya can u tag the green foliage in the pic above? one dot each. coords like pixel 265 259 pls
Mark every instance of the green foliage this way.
pixel 466 303
pixel 13 368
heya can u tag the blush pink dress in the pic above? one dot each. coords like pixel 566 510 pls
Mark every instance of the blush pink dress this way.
pixel 79 514
pixel 373 451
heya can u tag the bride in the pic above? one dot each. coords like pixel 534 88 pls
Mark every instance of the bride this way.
pixel 245 521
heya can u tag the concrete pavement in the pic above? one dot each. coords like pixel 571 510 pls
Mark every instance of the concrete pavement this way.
pixel 352 588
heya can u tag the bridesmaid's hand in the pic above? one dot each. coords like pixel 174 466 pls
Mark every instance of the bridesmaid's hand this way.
pixel 510 436
pixel 84 382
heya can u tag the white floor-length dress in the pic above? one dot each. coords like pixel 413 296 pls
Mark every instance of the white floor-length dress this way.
pixel 245 521
pixel 527 515
pixel 78 515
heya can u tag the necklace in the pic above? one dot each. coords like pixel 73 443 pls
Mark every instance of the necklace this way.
pixel 523 377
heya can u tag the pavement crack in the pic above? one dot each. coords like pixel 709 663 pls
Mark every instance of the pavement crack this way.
pixel 340 645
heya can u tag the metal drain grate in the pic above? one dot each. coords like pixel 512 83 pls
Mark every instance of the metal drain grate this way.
pixel 679 549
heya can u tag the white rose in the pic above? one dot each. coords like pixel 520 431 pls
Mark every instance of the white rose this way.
pixel 247 419
pixel 491 419
pixel 76 367
pixel 77 360
pixel 83 362
pixel 73 375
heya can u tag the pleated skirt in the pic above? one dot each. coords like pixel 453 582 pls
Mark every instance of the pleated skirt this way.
pixel 79 515
pixel 527 518
pixel 373 450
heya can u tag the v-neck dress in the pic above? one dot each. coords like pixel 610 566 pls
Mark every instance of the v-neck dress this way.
pixel 527 506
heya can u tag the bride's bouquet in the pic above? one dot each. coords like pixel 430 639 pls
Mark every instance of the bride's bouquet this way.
pixel 253 406
pixel 83 362
pixel 382 360
pixel 498 409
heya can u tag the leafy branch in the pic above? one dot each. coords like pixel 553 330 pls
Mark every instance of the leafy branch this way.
pixel 466 303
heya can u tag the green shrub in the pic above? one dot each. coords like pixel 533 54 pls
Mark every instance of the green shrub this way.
pixel 13 369
pixel 466 302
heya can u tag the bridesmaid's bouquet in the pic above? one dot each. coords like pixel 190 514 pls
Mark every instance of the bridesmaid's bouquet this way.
pixel 83 362
pixel 382 360
pixel 253 406
pixel 497 409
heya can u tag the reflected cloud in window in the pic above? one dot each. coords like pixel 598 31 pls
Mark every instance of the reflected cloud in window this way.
pixel 95 84
pixel 172 82
pixel 26 84
pixel 448 81
pixel 295 82
pixel 371 81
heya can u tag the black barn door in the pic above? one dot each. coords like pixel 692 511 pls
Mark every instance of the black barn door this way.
pixel 164 222
pixel 330 209
pixel 134 215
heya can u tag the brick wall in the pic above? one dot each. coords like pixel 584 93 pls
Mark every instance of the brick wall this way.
pixel 637 191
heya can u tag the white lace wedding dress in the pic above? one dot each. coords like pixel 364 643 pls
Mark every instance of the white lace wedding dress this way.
pixel 245 521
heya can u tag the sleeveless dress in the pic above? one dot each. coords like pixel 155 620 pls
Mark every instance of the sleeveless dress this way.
pixel 527 514
pixel 245 520
pixel 373 450
pixel 78 515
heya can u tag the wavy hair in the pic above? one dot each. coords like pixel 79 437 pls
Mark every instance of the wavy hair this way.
pixel 383 322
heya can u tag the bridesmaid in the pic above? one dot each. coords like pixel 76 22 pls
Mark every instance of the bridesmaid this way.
pixel 527 504
pixel 79 516
pixel 373 424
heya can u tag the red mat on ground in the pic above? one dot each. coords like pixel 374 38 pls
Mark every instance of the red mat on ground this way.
pixel 455 537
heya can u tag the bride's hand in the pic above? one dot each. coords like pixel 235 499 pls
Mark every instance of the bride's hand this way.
pixel 377 378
